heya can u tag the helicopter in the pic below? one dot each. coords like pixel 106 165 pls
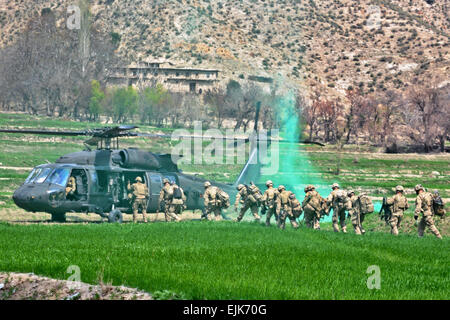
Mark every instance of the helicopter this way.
pixel 102 176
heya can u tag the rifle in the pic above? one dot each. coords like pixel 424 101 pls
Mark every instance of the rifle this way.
pixel 385 211
pixel 204 215
pixel 263 209
pixel 162 206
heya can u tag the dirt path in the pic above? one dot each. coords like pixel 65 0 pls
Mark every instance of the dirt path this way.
pixel 28 286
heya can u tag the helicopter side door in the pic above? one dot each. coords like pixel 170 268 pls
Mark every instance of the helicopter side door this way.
pixel 154 187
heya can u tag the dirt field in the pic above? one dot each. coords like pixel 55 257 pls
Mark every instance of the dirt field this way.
pixel 28 286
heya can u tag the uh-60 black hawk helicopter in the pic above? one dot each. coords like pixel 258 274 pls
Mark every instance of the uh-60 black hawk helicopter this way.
pixel 102 176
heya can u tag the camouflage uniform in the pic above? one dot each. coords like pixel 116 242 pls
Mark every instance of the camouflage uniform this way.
pixel 269 200
pixel 284 208
pixel 177 205
pixel 355 213
pixel 399 205
pixel 312 206
pixel 244 197
pixel 70 188
pixel 165 196
pixel 139 192
pixel 295 205
pixel 424 205
pixel 212 202
pixel 339 201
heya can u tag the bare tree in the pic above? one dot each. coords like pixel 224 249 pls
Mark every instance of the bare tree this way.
pixel 310 112
pixel 427 108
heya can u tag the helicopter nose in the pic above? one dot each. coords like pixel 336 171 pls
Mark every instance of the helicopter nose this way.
pixel 28 198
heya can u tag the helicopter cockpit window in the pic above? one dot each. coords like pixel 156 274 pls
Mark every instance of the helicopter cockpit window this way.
pixel 33 174
pixel 60 176
pixel 42 175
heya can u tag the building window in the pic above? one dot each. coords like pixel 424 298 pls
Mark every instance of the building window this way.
pixel 192 87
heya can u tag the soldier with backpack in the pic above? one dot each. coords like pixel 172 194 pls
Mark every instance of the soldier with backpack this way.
pixel 339 201
pixel 424 205
pixel 248 200
pixel 399 204
pixel 358 208
pixel 215 199
pixel 269 201
pixel 284 209
pixel 165 201
pixel 438 205
pixel 312 206
pixel 178 199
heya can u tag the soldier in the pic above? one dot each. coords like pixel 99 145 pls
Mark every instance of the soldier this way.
pixel 295 205
pixel 71 188
pixel 399 205
pixel 355 212
pixel 338 200
pixel 424 205
pixel 312 207
pixel 139 196
pixel 178 199
pixel 269 200
pixel 438 205
pixel 284 208
pixel 248 202
pixel 165 198
pixel 213 204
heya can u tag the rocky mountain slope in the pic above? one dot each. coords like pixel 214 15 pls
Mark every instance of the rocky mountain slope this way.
pixel 331 45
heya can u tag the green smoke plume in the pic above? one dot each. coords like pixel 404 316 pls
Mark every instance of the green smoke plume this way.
pixel 295 169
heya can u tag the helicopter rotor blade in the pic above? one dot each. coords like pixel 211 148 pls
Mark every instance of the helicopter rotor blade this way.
pixel 47 132
pixel 124 131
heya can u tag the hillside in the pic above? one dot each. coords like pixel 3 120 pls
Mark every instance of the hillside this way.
pixel 333 45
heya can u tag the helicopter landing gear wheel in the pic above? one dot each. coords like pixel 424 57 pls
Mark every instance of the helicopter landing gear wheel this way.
pixel 58 217
pixel 115 216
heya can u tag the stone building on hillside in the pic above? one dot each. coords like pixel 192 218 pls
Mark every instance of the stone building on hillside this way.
pixel 175 79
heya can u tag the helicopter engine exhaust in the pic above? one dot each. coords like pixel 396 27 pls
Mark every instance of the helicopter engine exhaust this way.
pixel 135 158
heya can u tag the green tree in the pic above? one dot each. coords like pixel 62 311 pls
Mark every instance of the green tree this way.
pixel 124 103
pixel 96 101
pixel 153 104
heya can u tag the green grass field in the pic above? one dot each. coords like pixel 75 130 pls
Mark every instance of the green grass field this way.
pixel 207 260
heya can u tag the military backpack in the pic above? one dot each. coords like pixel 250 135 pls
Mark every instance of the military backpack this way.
pixel 366 204
pixel 438 206
pixel 224 198
pixel 177 193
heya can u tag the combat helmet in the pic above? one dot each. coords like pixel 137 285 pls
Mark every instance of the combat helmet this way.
pixel 292 196
pixel 269 182
pixel 138 179
pixel 281 187
pixel 240 186
pixel 349 192
pixel 207 184
pixel 399 189
pixel 419 187
pixel 335 185
pixel 165 180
